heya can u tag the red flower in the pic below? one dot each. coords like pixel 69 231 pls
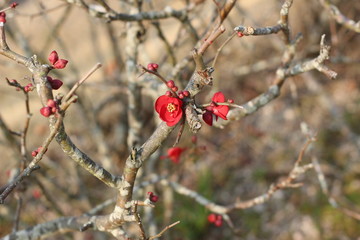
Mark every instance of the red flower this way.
pixel 174 154
pixel 217 110
pixel 169 109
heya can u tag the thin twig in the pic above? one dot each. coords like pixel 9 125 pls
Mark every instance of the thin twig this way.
pixel 164 230
pixel 81 81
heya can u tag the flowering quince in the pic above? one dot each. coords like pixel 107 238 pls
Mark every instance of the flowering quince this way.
pixel 174 154
pixel 214 109
pixel 169 109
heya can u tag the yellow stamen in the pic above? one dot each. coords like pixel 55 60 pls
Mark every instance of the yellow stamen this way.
pixel 171 107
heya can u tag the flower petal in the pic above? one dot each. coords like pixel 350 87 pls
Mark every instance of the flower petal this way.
pixel 221 111
pixel 162 100
pixel 208 118
pixel 218 97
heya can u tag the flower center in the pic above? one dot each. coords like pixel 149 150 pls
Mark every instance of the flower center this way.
pixel 171 107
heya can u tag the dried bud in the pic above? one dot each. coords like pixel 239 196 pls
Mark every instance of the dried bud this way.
pixel 53 57
pixel 60 64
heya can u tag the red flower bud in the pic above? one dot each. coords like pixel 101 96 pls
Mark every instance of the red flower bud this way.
pixel 3 17
pixel 168 93
pixel 175 88
pixel 53 57
pixel 240 34
pixel 218 223
pixel 56 84
pixel 217 220
pixel 181 95
pixel 152 197
pixel 152 66
pixel 186 93
pixel 51 103
pixel 212 217
pixel 155 65
pixel 45 111
pixel 60 64
pixel 14 5
pixel 170 84
pixel 34 153
pixel 28 87
pixel 230 101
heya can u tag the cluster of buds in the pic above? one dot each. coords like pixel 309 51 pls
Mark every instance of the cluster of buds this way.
pixel 49 109
pixel 153 67
pixel 54 83
pixel 35 152
pixel 215 219
pixel 56 62
pixel 152 197
pixel 3 14
pixel 171 85
pixel 29 87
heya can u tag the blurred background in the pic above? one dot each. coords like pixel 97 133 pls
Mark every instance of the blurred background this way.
pixel 240 161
